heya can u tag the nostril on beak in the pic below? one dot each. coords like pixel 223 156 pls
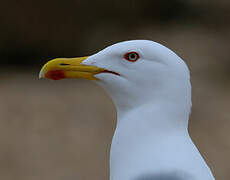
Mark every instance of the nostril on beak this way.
pixel 64 64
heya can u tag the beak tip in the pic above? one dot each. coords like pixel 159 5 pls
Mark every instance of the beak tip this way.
pixel 41 75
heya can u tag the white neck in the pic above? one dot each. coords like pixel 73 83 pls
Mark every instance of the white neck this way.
pixel 138 132
pixel 153 139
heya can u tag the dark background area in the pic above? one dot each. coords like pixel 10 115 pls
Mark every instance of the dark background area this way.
pixel 62 130
pixel 36 30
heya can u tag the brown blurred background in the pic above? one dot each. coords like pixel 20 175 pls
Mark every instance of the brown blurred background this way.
pixel 63 129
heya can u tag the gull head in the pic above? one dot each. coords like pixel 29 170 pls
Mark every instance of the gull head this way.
pixel 132 72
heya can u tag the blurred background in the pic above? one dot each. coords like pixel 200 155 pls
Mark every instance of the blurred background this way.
pixel 63 129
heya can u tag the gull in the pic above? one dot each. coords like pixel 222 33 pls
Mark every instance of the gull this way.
pixel 150 87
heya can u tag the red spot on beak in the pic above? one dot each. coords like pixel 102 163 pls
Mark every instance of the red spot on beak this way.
pixel 55 75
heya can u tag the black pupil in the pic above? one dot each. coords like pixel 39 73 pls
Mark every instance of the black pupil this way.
pixel 133 56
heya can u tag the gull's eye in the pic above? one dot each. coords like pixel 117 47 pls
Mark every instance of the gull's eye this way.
pixel 132 56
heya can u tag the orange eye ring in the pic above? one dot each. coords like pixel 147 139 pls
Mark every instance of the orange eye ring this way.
pixel 132 56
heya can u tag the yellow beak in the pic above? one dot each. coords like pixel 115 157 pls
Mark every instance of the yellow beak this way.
pixel 61 68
